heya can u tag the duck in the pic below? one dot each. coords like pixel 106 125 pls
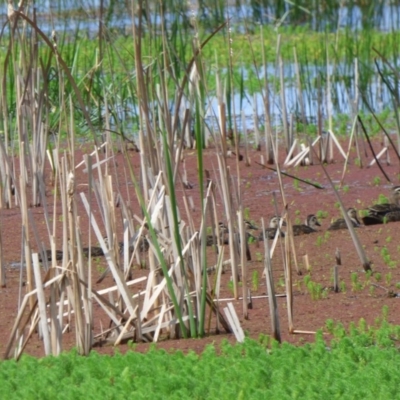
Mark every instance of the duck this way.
pixel 249 236
pixel 308 227
pixel 143 245
pixel 95 251
pixel 387 212
pixel 270 232
pixel 250 227
pixel 223 231
pixel 48 255
pixel 341 222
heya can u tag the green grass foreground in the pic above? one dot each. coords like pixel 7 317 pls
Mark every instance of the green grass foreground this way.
pixel 364 364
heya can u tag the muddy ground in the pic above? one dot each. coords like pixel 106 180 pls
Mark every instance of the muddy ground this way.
pixel 359 297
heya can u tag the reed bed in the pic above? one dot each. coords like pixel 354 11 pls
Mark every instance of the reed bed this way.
pixel 156 96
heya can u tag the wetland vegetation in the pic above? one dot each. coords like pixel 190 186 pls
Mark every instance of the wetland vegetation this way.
pixel 164 77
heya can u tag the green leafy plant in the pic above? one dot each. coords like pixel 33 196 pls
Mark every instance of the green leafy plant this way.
pixel 382 199
pixel 320 241
pixel 230 285
pixel 355 283
pixel 372 290
pixel 321 214
pixel 255 280
pixel 377 181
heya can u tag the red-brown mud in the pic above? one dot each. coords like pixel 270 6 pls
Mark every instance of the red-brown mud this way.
pixel 362 299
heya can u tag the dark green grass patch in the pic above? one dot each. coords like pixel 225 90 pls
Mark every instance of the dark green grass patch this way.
pixel 363 364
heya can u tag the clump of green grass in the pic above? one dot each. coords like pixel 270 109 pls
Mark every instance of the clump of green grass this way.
pixel 321 214
pixel 255 280
pixel 377 181
pixel 382 199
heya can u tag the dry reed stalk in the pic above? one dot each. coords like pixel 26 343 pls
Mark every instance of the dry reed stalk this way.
pixel 42 305
pixel 81 268
pixel 117 275
pixel 339 147
pixel 360 250
pixel 299 91
pixel 329 109
pixel 126 257
pixel 25 223
pixel 267 108
pixel 215 220
pixel 288 143
pixel 216 290
pixel 180 275
pixel 293 250
pixel 200 265
pixel 5 169
pixel 372 149
pixel 3 281
pixel 7 176
pixel 236 137
pixel 256 123
pixel 75 289
pixel 146 142
pixel 275 240
pixel 290 152
pixel 336 271
pixel 253 297
pixel 55 323
pixel 321 153
pixel 378 156
pixel 160 321
pixel 124 329
pixel 306 262
pixel 233 320
pixel 243 244
pixel 246 140
pixel 226 190
pixel 353 129
pixel 291 129
pixel 355 106
pixel 273 305
pixel 24 341
pixel 288 273
pixel 221 114
pixel 88 162
pixel 386 144
pixel 20 327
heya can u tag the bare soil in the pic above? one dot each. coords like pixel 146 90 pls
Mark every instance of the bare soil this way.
pixel 363 298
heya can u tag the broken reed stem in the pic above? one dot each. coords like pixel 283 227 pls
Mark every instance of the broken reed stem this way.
pixel 288 275
pixel 41 304
pixel 243 244
pixel 2 265
pixel 282 98
pixel 363 257
pixel 336 271
pixel 273 305
pixel 25 223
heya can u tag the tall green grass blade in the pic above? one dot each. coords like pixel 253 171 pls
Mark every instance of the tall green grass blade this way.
pixel 177 238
